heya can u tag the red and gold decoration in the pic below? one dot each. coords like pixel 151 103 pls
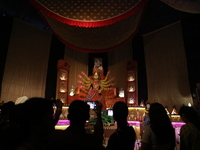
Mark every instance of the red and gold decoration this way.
pixel 132 91
pixel 96 87
pixel 62 81
pixel 92 26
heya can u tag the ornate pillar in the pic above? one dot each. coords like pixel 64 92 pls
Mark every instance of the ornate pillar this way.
pixel 132 84
pixel 62 81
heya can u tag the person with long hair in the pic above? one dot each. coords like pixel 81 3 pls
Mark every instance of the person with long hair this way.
pixel 159 134
pixel 190 132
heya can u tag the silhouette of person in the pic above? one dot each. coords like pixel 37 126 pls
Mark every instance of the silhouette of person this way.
pixel 10 134
pixel 124 137
pixel 75 136
pixel 5 112
pixel 159 134
pixel 38 120
pixel 32 124
pixel 190 132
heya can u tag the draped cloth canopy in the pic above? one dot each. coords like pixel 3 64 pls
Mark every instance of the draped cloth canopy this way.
pixel 99 25
pixel 92 25
pixel 190 6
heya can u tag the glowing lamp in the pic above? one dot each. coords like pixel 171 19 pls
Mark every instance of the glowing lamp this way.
pixel 131 100
pixel 121 93
pixel 72 91
pixel 131 76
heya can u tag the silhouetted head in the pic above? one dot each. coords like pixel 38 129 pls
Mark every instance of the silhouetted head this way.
pixel 78 112
pixel 161 124
pixel 6 107
pixel 120 111
pixel 189 114
pixel 157 113
pixel 36 115
pixel 38 108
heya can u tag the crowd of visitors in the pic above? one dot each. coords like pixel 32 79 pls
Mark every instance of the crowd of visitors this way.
pixel 31 126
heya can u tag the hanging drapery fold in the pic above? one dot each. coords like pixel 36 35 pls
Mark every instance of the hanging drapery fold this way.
pixel 166 67
pixel 190 6
pixel 97 15
pixel 26 65
pixel 92 26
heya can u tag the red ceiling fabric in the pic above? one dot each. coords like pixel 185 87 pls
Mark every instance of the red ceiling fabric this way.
pixel 89 13
pixel 92 25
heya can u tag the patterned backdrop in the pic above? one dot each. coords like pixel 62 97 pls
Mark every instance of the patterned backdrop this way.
pixel 92 25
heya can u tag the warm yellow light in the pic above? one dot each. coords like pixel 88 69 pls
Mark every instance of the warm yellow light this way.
pixel 131 100
pixel 136 108
pixel 63 127
pixel 131 76
pixel 175 116
pixel 121 93
pixel 62 90
pixel 65 107
pixel 62 78
pixel 72 91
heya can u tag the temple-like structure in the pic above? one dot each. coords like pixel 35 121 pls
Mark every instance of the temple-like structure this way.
pixel 97 87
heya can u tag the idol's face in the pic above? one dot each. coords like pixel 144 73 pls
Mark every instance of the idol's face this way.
pixel 95 77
